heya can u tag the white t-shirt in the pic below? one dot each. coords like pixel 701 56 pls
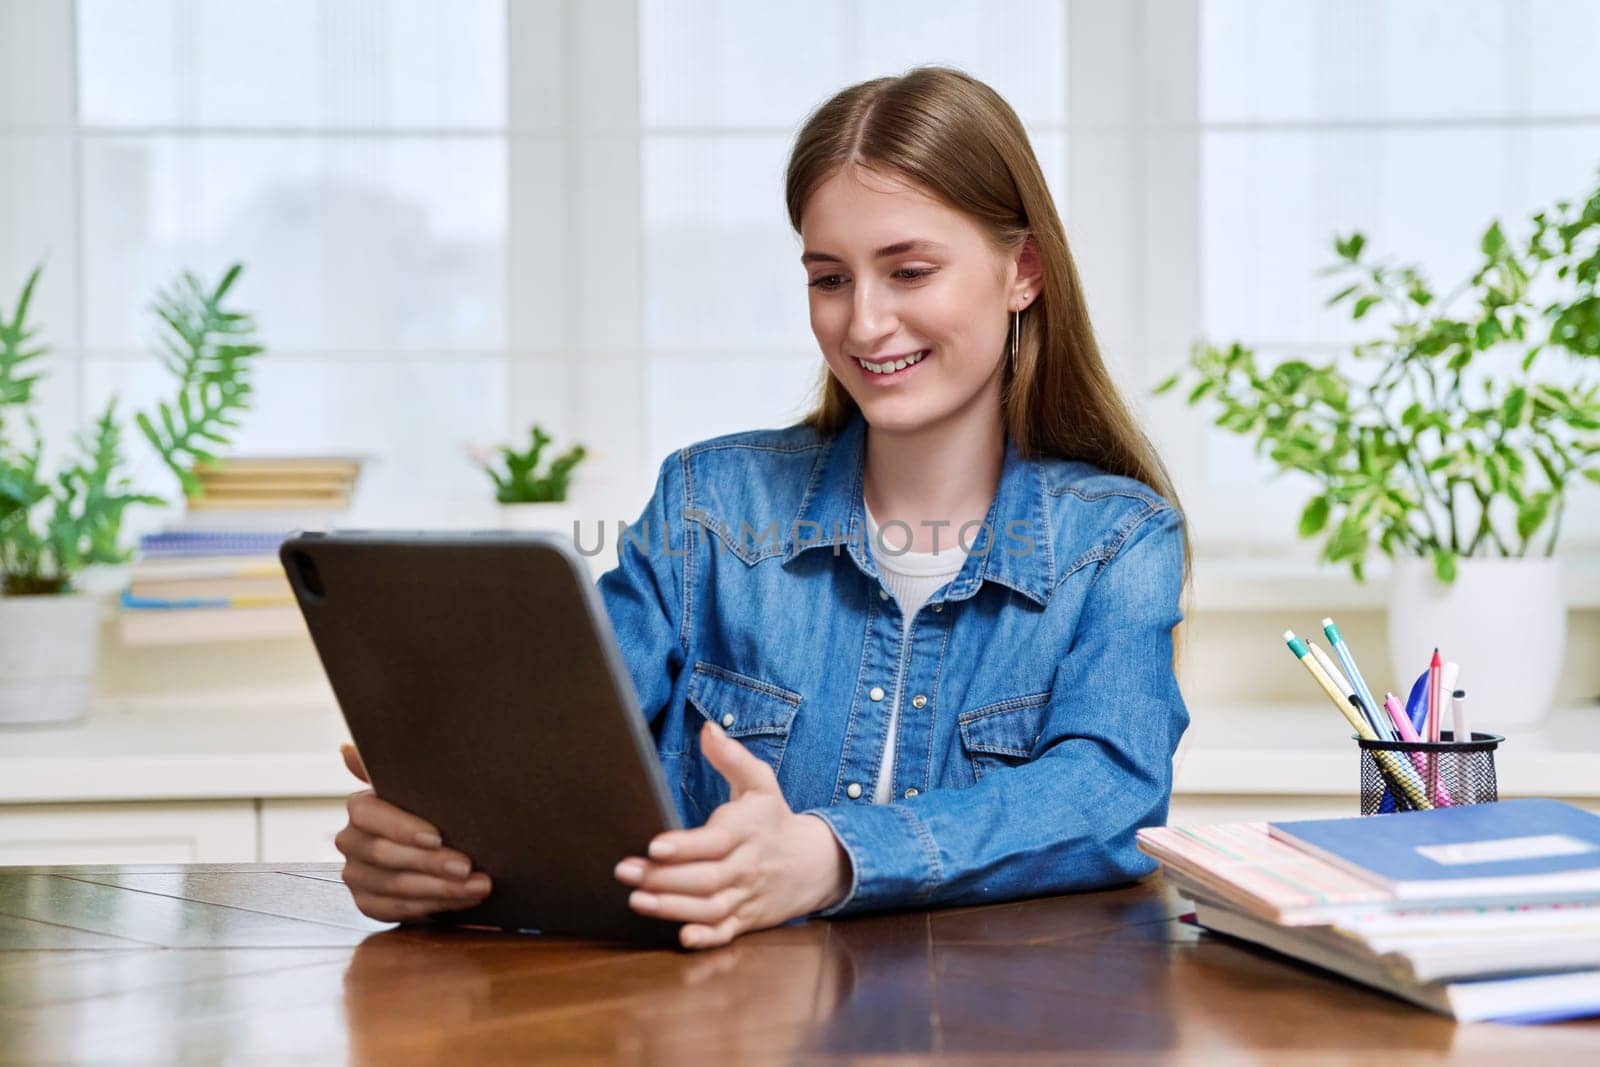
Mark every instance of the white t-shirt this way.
pixel 912 577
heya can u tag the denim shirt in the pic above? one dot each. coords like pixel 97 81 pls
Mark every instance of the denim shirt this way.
pixel 1040 712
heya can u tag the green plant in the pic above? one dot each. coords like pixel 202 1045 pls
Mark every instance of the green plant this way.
pixel 1436 437
pixel 51 528
pixel 519 481
pixel 208 350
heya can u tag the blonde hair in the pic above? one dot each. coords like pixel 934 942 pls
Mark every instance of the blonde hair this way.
pixel 956 137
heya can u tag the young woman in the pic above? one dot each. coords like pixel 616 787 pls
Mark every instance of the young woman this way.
pixel 917 649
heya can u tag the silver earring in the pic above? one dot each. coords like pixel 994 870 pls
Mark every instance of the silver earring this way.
pixel 1016 328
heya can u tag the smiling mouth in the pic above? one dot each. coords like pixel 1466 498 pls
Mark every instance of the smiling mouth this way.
pixel 893 366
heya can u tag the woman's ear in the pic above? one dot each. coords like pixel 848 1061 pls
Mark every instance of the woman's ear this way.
pixel 1030 274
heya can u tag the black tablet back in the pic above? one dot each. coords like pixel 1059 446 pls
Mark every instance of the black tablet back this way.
pixel 483 686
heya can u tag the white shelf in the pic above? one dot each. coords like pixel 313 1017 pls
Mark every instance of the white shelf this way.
pixel 261 746
pixel 218 748
pixel 1240 585
pixel 1306 751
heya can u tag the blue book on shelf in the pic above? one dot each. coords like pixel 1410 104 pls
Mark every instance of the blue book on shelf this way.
pixel 1516 849
pixel 210 543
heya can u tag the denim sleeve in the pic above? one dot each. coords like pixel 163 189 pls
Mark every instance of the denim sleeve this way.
pixel 1101 768
pixel 644 592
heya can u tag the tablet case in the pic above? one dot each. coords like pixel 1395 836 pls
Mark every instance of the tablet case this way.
pixel 484 688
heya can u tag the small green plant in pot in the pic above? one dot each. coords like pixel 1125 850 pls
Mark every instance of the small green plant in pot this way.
pixel 519 480
pixel 1449 441
pixel 53 527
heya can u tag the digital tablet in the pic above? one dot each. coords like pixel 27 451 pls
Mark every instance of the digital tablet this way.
pixel 484 688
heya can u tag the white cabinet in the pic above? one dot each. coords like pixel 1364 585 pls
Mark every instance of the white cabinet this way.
pixel 183 832
pixel 301 831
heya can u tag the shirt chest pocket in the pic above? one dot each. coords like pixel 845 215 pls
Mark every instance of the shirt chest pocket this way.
pixel 1002 734
pixel 757 714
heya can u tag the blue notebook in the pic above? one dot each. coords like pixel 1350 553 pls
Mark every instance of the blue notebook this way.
pixel 1480 853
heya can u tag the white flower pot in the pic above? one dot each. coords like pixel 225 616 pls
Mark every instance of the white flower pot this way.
pixel 581 525
pixel 1504 621
pixel 555 517
pixel 49 648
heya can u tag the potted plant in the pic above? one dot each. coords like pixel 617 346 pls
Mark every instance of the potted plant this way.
pixel 531 499
pixel 1448 441
pixel 52 528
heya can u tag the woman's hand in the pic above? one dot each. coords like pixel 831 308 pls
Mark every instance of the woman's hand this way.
pixel 754 864
pixel 396 866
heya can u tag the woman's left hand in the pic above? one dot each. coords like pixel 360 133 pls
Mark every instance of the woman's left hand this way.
pixel 754 864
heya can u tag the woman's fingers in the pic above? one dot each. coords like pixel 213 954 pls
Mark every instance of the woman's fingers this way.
pixel 695 879
pixel 400 910
pixel 382 819
pixel 377 851
pixel 699 935
pixel 352 762
pixel 414 885
pixel 708 842
pixel 677 907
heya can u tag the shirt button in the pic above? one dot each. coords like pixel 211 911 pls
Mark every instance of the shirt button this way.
pixel 876 692
pixel 938 607
pixel 911 792
pixel 919 701
pixel 854 792
pixel 883 594
pixel 727 720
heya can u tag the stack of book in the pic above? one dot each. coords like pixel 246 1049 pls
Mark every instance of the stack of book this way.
pixel 215 575
pixel 262 492
pixel 1488 911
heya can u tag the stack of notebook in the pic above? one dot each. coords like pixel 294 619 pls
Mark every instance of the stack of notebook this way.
pixel 262 492
pixel 1488 911
pixel 215 575
pixel 203 586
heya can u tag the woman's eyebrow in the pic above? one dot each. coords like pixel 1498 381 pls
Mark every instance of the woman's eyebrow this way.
pixel 898 248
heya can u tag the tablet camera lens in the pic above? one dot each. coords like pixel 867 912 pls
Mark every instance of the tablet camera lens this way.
pixel 306 571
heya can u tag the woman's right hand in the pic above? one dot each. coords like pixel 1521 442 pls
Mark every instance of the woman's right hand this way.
pixel 396 866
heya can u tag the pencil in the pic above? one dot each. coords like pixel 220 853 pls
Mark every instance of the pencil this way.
pixel 1386 761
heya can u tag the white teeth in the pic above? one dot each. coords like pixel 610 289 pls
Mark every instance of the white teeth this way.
pixel 890 368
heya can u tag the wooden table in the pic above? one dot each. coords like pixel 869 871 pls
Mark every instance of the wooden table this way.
pixel 272 963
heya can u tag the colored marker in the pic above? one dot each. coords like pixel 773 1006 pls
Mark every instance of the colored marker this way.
pixel 1370 706
pixel 1386 760
pixel 1402 725
pixel 1458 733
pixel 1447 682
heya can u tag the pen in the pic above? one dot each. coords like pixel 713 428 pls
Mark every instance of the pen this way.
pixel 1459 734
pixel 1386 760
pixel 1348 659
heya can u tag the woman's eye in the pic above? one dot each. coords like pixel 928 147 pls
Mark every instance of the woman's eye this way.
pixel 830 282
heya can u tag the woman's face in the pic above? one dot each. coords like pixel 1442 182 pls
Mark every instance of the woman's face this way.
pixel 897 277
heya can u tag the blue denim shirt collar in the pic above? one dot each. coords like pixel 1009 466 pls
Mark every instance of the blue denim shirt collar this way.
pixel 831 514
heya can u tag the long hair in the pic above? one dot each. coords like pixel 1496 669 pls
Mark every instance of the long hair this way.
pixel 957 138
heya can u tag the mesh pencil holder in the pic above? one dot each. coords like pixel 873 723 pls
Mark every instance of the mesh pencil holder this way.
pixel 1415 775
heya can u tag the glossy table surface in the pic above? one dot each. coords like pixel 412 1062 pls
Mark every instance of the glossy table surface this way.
pixel 256 963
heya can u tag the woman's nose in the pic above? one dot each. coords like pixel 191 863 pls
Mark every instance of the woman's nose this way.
pixel 872 316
